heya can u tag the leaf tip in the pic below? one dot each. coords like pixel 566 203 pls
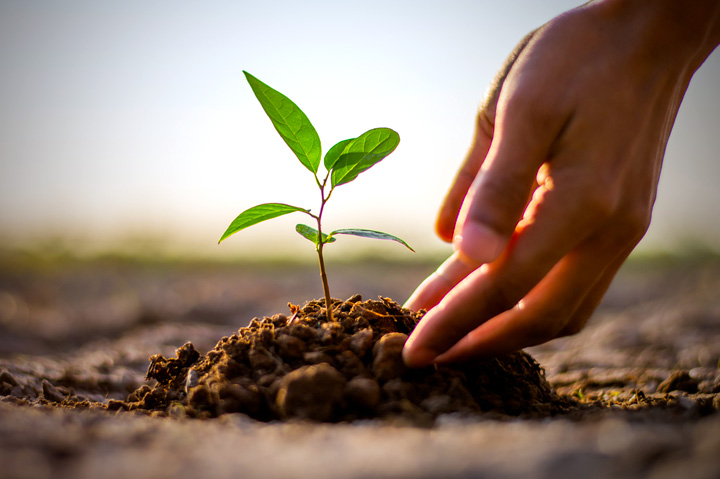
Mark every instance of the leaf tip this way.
pixel 223 237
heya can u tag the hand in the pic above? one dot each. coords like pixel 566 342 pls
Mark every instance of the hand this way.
pixel 559 184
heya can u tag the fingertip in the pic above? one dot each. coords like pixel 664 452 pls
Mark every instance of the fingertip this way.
pixel 426 295
pixel 412 303
pixel 417 357
pixel 479 243
pixel 445 226
pixel 416 353
pixel 459 352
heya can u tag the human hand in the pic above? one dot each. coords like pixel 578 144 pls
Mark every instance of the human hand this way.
pixel 559 184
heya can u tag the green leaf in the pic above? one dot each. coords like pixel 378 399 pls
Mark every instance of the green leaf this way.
pixel 290 122
pixel 334 153
pixel 370 234
pixel 362 153
pixel 257 214
pixel 312 234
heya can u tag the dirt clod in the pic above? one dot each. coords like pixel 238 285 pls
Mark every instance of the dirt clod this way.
pixel 311 392
pixel 387 356
pixel 50 392
pixel 679 381
pixel 305 367
pixel 8 379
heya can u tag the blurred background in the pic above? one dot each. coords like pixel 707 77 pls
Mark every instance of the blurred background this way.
pixel 129 125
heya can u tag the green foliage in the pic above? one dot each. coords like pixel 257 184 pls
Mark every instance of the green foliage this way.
pixel 369 234
pixel 362 153
pixel 334 153
pixel 290 121
pixel 258 214
pixel 312 234
pixel 343 163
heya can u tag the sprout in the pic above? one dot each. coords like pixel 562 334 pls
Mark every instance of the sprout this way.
pixel 343 163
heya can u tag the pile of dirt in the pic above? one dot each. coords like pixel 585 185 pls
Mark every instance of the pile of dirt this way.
pixel 306 367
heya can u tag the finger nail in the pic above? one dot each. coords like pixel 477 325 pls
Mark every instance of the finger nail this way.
pixel 421 296
pixel 418 299
pixel 418 357
pixel 479 243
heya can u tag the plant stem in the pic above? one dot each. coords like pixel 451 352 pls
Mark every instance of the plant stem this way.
pixel 323 277
pixel 319 249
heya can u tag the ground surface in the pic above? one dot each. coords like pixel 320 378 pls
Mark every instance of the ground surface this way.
pixel 648 361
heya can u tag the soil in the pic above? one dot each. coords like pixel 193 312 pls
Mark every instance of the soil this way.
pixel 305 367
pixel 637 394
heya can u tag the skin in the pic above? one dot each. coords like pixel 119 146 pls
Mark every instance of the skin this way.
pixel 559 184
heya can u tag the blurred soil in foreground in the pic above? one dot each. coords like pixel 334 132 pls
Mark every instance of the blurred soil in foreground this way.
pixel 650 357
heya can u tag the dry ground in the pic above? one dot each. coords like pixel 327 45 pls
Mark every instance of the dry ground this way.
pixel 88 327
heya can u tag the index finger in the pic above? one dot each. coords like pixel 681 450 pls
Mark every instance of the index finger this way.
pixel 440 282
pixel 484 129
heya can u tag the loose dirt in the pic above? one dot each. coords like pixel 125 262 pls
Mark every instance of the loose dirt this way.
pixel 305 367
pixel 636 394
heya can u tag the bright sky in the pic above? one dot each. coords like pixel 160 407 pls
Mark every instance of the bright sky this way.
pixel 133 119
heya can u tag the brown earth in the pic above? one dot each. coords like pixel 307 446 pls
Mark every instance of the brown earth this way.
pixel 349 368
pixel 636 394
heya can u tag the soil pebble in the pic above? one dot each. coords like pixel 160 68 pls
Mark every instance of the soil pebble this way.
pixel 304 367
pixel 679 381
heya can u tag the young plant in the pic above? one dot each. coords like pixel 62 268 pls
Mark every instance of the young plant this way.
pixel 343 163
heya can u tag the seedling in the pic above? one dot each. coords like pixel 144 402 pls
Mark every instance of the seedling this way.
pixel 343 163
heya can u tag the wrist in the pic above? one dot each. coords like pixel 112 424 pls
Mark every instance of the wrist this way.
pixel 678 31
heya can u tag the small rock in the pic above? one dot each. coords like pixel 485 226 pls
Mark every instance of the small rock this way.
pixel 200 397
pixel 350 365
pixel 303 331
pixel 140 393
pixel 311 392
pixel 50 392
pixel 237 398
pixel 191 380
pixel 266 380
pixel 361 341
pixel 709 387
pixel 114 405
pixel 387 356
pixel 701 373
pixel 5 389
pixel 291 347
pixel 317 357
pixel 363 392
pixel 187 354
pixel 279 320
pixel 261 359
pixel 396 389
pixel 7 378
pixel 679 381
pixel 229 368
pixel 354 298
pixel 330 332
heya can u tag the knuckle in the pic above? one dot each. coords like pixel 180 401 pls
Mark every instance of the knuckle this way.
pixel 500 199
pixel 607 203
pixel 629 223
pixel 485 122
pixel 634 220
pixel 600 203
pixel 541 110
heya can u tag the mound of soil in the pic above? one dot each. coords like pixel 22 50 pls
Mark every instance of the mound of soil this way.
pixel 306 367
